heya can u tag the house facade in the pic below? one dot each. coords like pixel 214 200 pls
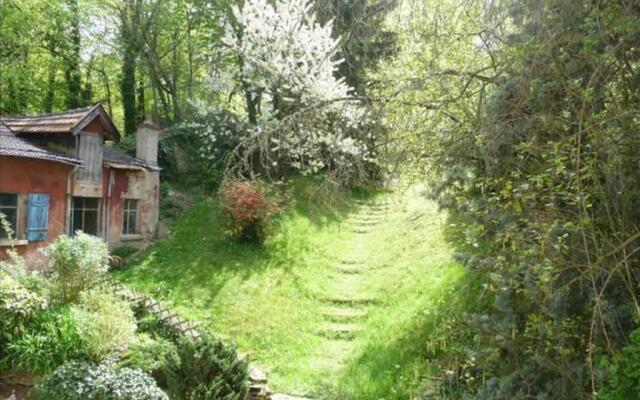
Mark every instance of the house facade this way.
pixel 60 173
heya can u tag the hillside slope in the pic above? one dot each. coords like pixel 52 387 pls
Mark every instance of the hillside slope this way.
pixel 347 304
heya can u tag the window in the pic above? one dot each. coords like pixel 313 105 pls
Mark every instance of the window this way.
pixel 9 207
pixel 85 213
pixel 130 217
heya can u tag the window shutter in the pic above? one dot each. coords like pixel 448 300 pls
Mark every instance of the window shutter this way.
pixel 38 218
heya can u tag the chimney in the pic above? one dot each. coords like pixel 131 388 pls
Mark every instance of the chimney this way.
pixel 147 138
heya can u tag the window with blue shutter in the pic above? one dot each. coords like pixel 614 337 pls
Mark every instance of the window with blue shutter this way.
pixel 38 217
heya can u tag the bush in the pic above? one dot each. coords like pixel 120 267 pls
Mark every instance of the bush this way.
pixel 78 263
pixel 205 369
pixel 81 381
pixel 48 342
pixel 624 372
pixel 18 305
pixel 148 354
pixel 105 323
pixel 124 251
pixel 247 210
pixel 151 324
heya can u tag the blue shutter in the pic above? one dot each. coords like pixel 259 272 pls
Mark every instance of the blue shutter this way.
pixel 38 218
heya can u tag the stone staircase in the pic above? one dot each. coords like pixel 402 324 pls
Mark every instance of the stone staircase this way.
pixel 349 305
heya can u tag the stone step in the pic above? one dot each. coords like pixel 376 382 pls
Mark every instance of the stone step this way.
pixel 351 269
pixel 364 222
pixel 347 261
pixel 340 330
pixel 365 202
pixel 343 315
pixel 360 230
pixel 279 396
pixel 259 392
pixel 371 207
pixel 350 281
pixel 376 206
pixel 360 225
pixel 256 375
pixel 351 300
pixel 377 214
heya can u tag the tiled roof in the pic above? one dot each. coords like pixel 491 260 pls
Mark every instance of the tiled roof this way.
pixel 11 145
pixel 118 158
pixel 61 122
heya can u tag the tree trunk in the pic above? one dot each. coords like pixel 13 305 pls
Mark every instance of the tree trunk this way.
pixel 128 90
pixel 142 112
pixel 107 89
pixel 47 103
pixel 72 59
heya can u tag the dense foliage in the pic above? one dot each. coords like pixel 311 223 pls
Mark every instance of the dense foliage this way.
pixel 532 138
pixel 624 372
pixel 18 302
pixel 78 263
pixel 46 343
pixel 105 323
pixel 206 368
pixel 521 114
pixel 273 65
pixel 82 381
pixel 82 336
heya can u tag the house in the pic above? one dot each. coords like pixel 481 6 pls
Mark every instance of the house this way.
pixel 60 174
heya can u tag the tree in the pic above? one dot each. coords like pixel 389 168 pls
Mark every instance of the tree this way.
pixel 72 73
pixel 365 38
pixel 308 118
pixel 129 20
pixel 518 113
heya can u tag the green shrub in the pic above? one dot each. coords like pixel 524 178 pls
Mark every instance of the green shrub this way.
pixel 18 305
pixel 124 251
pixel 105 323
pixel 78 263
pixel 81 381
pixel 48 342
pixel 205 369
pixel 624 372
pixel 151 324
pixel 14 264
pixel 148 354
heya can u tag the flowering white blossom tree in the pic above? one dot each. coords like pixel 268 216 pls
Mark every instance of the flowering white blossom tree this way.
pixel 309 120
pixel 286 51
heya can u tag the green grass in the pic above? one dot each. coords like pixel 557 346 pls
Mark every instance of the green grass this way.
pixel 272 302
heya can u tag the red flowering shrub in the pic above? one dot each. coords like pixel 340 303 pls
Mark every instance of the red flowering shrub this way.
pixel 247 210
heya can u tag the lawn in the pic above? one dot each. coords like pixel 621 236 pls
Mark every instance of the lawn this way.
pixel 348 301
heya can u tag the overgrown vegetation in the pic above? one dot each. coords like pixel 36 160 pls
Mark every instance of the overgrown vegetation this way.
pixel 533 144
pixel 80 381
pixel 89 342
pixel 106 323
pixel 205 368
pixel 78 263
pixel 520 114
pixel 46 343
pixel 272 299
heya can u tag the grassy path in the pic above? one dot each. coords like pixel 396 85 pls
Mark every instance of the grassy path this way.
pixel 348 304
pixel 348 300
